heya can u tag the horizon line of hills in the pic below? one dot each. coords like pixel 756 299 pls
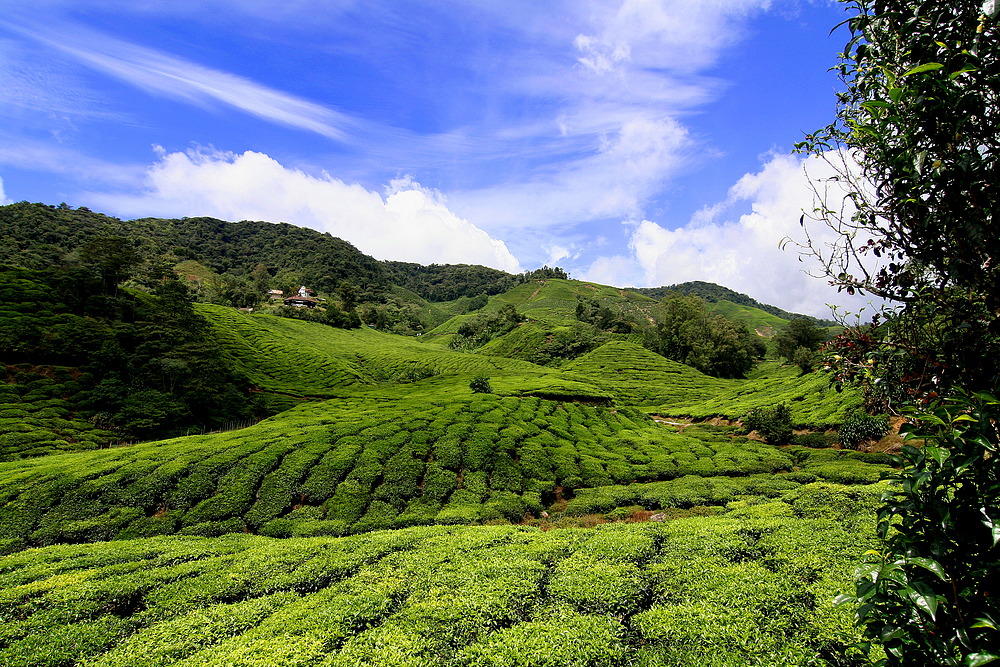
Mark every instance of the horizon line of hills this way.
pixel 111 331
pixel 39 236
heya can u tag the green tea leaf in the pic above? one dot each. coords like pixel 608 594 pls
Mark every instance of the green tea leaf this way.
pixel 926 67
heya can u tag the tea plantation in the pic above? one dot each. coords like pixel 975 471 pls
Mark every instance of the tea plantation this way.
pixel 394 516
pixel 754 588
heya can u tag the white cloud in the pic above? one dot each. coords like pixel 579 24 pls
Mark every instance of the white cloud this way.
pixel 630 165
pixel 3 195
pixel 411 223
pixel 618 132
pixel 41 156
pixel 676 34
pixel 742 253
pixel 601 57
pixel 557 253
pixel 163 74
pixel 578 109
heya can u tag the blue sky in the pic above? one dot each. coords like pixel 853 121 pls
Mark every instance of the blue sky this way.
pixel 632 142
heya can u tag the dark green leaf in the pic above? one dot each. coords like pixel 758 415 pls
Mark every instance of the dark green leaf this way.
pixel 931 565
pixel 925 601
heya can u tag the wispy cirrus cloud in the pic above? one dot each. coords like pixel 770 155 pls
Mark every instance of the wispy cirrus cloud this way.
pixel 36 155
pixel 162 74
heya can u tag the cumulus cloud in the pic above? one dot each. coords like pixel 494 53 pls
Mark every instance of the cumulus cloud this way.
pixel 3 195
pixel 410 223
pixel 741 252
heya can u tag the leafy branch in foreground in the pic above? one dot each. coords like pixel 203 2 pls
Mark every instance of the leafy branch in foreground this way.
pixel 915 151
pixel 929 594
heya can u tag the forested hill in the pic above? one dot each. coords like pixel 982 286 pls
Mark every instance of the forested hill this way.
pixel 37 236
pixel 714 293
pixel 446 282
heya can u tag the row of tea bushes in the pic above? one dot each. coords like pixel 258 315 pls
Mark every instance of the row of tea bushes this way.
pixel 36 418
pixel 851 505
pixel 361 464
pixel 637 376
pixel 280 354
pixel 756 590
pixel 813 400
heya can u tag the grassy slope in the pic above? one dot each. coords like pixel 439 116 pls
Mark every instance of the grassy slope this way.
pixel 395 449
pixel 554 301
pixel 636 376
pixel 306 359
pixel 764 323
pixel 551 303
pixel 34 419
pixel 813 400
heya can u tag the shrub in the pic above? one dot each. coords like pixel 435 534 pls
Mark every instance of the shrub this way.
pixel 860 427
pixel 774 423
pixel 481 385
pixel 805 359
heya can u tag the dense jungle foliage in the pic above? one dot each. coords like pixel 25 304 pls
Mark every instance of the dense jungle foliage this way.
pixel 133 363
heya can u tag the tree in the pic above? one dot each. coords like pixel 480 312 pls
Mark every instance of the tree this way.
pixel 917 148
pixel 773 423
pixel 799 333
pixel 114 259
pixel 686 332
pixel 601 316
pixel 261 278
pixel 481 385
pixel 485 326
pixel 917 143
pixel 235 291
pixel 805 359
pixel 348 295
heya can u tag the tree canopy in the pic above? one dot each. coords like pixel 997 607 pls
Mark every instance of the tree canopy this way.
pixel 686 332
pixel 916 140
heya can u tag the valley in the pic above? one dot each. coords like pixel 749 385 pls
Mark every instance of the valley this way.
pixel 492 491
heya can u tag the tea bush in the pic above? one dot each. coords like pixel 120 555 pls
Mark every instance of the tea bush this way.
pixel 751 589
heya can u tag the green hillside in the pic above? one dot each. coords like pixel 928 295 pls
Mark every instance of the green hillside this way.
pixel 813 401
pixel 637 376
pixel 356 502
pixel 393 459
pixel 762 322
pixel 717 294
pixel 553 301
pixel 304 359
